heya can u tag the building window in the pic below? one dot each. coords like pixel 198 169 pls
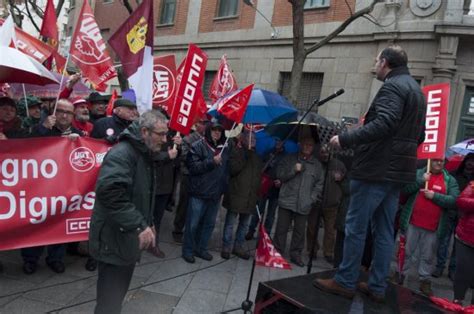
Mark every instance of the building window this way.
pixel 168 10
pixel 310 88
pixel 311 4
pixel 206 85
pixel 227 8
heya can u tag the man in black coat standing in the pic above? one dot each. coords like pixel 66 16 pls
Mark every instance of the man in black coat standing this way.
pixel 125 112
pixel 385 159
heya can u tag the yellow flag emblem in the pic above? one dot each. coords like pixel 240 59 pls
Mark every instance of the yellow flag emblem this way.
pixel 136 37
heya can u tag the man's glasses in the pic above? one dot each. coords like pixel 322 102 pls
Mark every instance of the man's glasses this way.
pixel 161 134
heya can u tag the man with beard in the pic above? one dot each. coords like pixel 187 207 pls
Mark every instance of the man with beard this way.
pixel 81 116
pixel 125 112
pixel 122 218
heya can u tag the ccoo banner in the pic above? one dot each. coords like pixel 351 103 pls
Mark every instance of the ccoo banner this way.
pixel 47 190
pixel 437 100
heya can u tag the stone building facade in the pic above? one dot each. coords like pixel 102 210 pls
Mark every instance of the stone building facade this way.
pixel 437 35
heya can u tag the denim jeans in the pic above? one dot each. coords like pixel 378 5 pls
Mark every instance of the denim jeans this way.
pixel 200 222
pixel 269 218
pixel 443 247
pixel 376 202
pixel 56 253
pixel 230 219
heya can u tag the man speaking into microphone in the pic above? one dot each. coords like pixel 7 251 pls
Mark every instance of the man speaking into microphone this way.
pixel 385 159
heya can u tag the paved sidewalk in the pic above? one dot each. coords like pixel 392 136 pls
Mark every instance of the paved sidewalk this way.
pixel 167 285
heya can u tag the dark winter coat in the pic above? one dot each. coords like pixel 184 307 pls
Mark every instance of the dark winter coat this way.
pixel 39 131
pixel 445 201
pixel 393 128
pixel 245 169
pixel 124 202
pixel 207 180
pixel 109 127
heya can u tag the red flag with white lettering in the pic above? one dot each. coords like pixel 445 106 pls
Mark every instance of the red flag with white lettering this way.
pixel 266 254
pixel 233 106
pixel 186 100
pixel 437 98
pixel 164 82
pixel 89 50
pixel 224 81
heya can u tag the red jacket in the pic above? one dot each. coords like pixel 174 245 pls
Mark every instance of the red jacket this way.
pixel 465 204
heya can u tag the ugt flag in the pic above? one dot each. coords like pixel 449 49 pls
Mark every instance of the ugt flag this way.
pixel 437 99
pixel 266 254
pixel 224 82
pixel 164 82
pixel 88 49
pixel 133 43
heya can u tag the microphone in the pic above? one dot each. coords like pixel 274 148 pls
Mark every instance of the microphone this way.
pixel 330 97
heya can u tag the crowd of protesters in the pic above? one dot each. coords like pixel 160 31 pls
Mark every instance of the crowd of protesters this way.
pixel 203 172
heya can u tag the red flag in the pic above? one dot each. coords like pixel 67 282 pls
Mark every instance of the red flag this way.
pixel 266 254
pixel 202 106
pixel 49 27
pixel 233 106
pixel 88 49
pixel 224 82
pixel 437 98
pixel 133 43
pixel 164 82
pixel 110 105
pixel 186 102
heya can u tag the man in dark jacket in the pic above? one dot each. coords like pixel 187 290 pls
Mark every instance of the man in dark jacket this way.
pixel 385 159
pixel 34 112
pixel 241 198
pixel 122 218
pixel 125 112
pixel 98 105
pixel 207 165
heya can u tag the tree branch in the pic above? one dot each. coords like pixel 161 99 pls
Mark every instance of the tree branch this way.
pixel 31 16
pixel 36 9
pixel 128 6
pixel 342 27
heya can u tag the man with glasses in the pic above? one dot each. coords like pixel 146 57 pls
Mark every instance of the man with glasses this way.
pixel 58 124
pixel 125 112
pixel 122 218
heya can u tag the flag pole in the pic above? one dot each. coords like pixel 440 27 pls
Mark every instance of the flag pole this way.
pixel 61 84
pixel 428 170
pixel 26 100
pixel 227 139
pixel 246 305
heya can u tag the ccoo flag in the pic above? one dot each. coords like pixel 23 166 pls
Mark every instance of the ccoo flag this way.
pixel 133 43
pixel 88 49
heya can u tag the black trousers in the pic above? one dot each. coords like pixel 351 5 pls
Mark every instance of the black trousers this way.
pixel 464 276
pixel 112 286
pixel 182 208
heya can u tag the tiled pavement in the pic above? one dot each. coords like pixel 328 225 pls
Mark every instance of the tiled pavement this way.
pixel 167 285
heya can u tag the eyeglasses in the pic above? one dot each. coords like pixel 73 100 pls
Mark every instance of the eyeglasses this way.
pixel 60 111
pixel 160 134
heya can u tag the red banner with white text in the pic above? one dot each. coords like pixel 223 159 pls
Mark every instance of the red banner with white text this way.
pixel 186 100
pixel 47 190
pixel 164 82
pixel 437 100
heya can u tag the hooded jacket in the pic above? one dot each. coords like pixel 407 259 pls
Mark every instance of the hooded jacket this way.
pixel 206 179
pixel 124 202
pixel 465 203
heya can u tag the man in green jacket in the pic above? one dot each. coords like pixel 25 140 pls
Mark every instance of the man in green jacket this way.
pixel 423 219
pixel 123 211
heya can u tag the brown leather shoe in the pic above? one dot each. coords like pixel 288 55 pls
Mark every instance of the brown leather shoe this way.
pixel 156 252
pixel 331 286
pixel 364 288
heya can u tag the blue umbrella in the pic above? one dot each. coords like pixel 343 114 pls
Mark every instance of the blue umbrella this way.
pixel 462 148
pixel 266 143
pixel 264 106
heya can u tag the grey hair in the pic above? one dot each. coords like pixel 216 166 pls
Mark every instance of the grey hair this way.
pixel 150 118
